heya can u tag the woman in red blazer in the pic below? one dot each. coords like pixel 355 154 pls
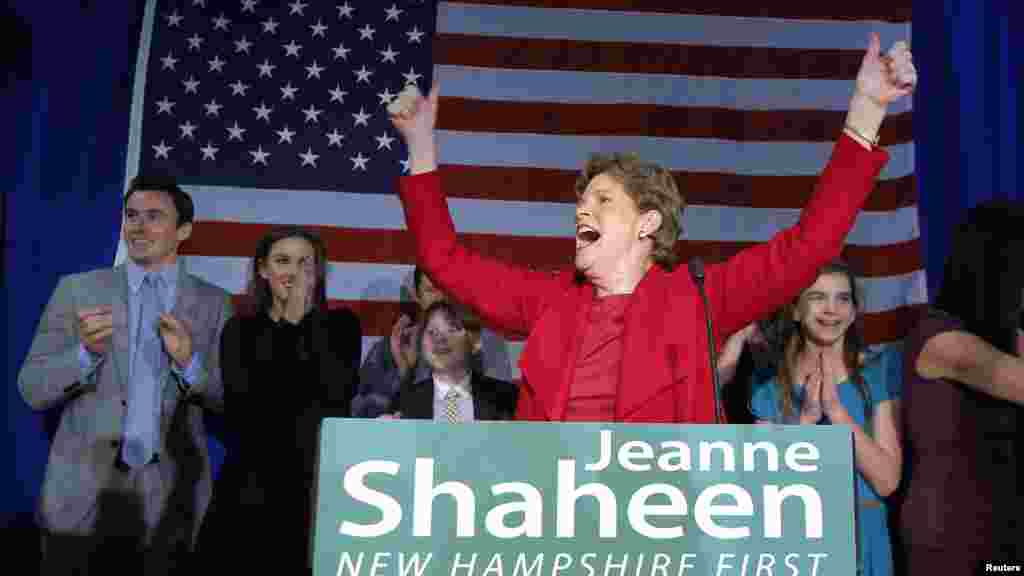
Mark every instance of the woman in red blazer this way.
pixel 621 335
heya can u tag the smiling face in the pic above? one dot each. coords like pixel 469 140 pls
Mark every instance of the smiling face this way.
pixel 611 232
pixel 826 309
pixel 447 343
pixel 151 231
pixel 287 258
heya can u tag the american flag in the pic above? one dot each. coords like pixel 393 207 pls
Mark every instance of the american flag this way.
pixel 273 113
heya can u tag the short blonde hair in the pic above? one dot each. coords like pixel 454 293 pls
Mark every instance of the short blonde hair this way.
pixel 652 188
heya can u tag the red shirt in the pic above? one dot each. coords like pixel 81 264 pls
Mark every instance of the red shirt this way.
pixel 596 381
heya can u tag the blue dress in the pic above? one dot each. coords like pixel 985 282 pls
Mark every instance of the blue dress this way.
pixel 883 374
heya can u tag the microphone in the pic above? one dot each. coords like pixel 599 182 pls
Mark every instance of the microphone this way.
pixel 696 266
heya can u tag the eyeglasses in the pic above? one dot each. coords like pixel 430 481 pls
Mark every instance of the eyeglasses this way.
pixel 443 333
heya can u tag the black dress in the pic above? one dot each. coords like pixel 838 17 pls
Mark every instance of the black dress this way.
pixel 280 380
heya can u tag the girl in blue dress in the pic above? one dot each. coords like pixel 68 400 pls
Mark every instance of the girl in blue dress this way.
pixel 824 378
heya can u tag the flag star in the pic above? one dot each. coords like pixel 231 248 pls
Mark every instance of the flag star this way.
pixel 361 117
pixel 414 35
pixel 242 45
pixel 314 70
pixel 285 135
pixel 318 29
pixel 195 42
pixel 164 105
pixel 388 55
pixel 386 97
pixel 338 94
pixel 297 7
pixel 312 114
pixel 217 65
pixel 363 75
pixel 174 19
pixel 411 76
pixel 162 149
pixel 187 129
pixel 359 162
pixel 266 69
pixel 212 108
pixel 168 61
pixel 249 6
pixel 235 132
pixel 191 85
pixel 344 11
pixel 259 156
pixel 405 165
pixel 393 13
pixel 366 32
pixel 288 92
pixel 384 141
pixel 309 158
pixel 209 151
pixel 238 88
pixel 270 26
pixel 341 52
pixel 262 112
pixel 334 138
pixel 221 23
pixel 292 49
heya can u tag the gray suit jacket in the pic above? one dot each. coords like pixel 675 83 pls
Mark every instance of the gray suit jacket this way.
pixel 170 495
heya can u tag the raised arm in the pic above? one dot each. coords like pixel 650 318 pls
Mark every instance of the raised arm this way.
pixel 765 277
pixel 508 297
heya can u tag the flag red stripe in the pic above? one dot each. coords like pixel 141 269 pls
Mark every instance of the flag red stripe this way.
pixel 377 318
pixel 879 10
pixel 396 247
pixel 636 58
pixel 657 121
pixel 699 188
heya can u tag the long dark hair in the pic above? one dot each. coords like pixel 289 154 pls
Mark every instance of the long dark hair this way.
pixel 260 296
pixel 983 277
pixel 794 341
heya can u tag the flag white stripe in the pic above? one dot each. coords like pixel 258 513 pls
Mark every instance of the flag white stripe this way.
pixel 389 282
pixel 690 154
pixel 543 219
pixel 655 28
pixel 575 87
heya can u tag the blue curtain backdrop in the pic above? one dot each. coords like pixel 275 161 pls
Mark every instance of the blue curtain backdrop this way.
pixel 68 96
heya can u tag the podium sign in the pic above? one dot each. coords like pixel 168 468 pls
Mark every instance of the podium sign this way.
pixel 414 498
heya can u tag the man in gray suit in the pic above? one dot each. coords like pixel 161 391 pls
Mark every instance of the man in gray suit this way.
pixel 129 356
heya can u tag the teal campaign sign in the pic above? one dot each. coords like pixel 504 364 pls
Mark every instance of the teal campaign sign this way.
pixel 411 498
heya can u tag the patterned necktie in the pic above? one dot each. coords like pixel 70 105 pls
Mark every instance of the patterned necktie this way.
pixel 451 408
pixel 140 436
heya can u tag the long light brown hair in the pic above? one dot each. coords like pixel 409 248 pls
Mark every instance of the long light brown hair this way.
pixel 795 342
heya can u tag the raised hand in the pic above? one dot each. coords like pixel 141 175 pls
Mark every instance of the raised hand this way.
pixel 414 117
pixel 177 337
pixel 830 403
pixel 403 344
pixel 95 326
pixel 300 294
pixel 811 409
pixel 884 78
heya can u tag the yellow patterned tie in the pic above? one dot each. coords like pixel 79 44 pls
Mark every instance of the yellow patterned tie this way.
pixel 451 409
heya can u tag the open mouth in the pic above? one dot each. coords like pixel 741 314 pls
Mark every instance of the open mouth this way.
pixel 586 236
pixel 830 323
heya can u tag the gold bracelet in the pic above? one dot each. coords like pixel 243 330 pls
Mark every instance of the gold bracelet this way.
pixel 872 142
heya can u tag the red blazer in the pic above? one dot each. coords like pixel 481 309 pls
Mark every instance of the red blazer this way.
pixel 666 374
